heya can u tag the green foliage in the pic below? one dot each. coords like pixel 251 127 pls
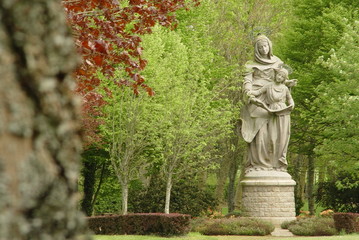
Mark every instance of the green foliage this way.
pixel 177 129
pixel 339 106
pixel 287 224
pixel 322 129
pixel 317 28
pixel 236 226
pixel 94 167
pixel 187 197
pixel 191 117
pixel 338 120
pixel 341 193
pixel 126 129
pixel 313 226
pixel 109 197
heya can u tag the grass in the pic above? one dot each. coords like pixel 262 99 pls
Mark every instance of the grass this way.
pixel 191 236
pixel 197 236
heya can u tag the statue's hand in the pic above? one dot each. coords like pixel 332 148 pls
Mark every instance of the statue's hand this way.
pixel 291 107
pixel 291 83
pixel 258 102
pixel 250 94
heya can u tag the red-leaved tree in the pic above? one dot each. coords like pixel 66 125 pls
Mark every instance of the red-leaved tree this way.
pixel 107 35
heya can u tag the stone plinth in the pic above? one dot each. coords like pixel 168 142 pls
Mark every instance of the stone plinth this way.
pixel 268 195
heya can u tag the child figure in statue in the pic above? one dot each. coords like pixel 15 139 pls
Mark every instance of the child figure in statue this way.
pixel 276 95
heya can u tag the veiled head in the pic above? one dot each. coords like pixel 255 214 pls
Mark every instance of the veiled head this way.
pixel 263 47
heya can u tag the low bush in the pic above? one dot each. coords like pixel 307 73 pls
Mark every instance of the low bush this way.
pixel 235 226
pixel 315 226
pixel 198 223
pixel 287 224
pixel 141 224
pixel 349 222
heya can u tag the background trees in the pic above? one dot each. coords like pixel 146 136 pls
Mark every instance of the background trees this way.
pixel 194 72
pixel 192 116
pixel 183 121
pixel 339 103
pixel 315 32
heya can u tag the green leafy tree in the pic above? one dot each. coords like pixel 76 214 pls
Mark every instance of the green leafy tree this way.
pixel 192 117
pixel 317 27
pixel 339 117
pixel 339 105
pixel 123 126
pixel 340 193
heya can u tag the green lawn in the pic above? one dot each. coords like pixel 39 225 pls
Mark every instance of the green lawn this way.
pixel 191 236
pixel 197 236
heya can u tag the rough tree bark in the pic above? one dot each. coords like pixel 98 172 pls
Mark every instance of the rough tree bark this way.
pixel 39 130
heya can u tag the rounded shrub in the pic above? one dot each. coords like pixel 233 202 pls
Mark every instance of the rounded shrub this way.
pixel 287 224
pixel 315 226
pixel 236 226
pixel 198 223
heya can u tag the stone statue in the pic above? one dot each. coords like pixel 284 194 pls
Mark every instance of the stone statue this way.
pixel 266 112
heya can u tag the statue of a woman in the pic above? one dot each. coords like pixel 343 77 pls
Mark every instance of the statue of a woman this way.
pixel 265 114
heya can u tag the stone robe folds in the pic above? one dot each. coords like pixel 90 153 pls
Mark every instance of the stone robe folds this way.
pixel 267 133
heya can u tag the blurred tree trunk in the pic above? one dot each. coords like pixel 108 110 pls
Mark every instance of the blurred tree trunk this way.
pixel 299 175
pixel 232 176
pixel 89 177
pixel 236 156
pixel 94 166
pixel 222 174
pixel 303 177
pixel 39 130
pixel 310 184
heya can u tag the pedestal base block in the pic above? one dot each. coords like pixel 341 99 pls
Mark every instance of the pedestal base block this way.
pixel 268 195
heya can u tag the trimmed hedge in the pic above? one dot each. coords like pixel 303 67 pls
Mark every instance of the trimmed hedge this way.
pixel 141 224
pixel 349 222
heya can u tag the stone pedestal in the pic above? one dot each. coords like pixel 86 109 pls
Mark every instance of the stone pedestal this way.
pixel 268 195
